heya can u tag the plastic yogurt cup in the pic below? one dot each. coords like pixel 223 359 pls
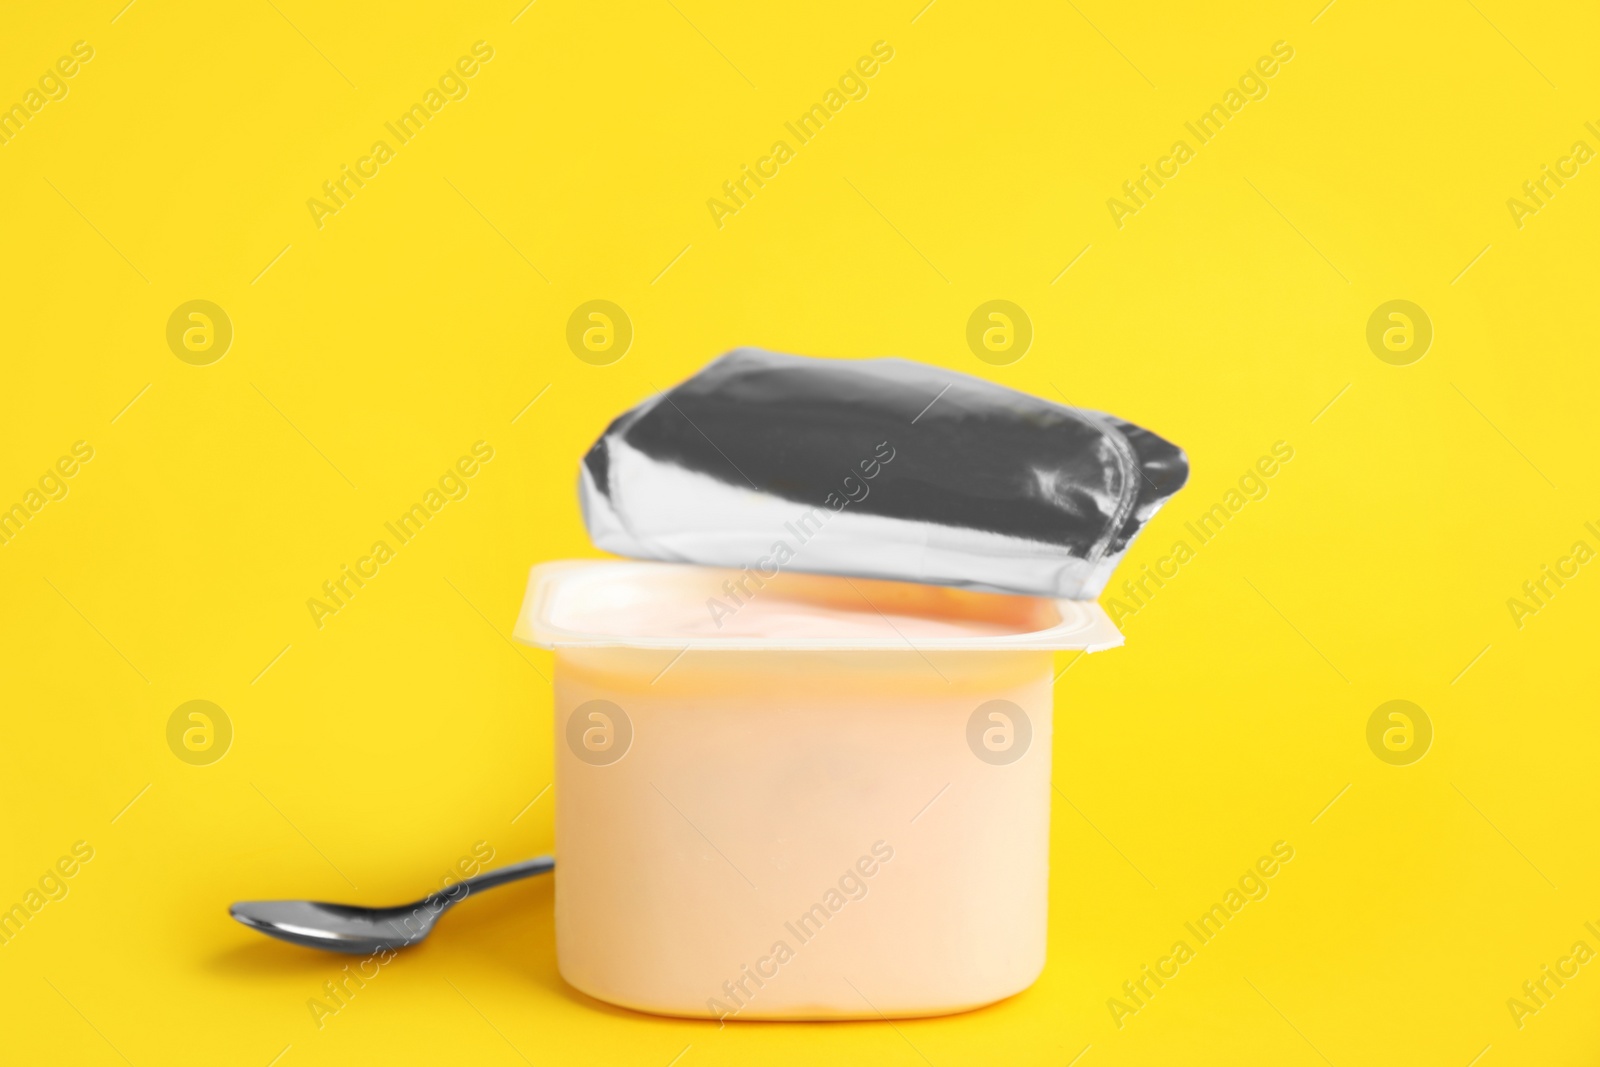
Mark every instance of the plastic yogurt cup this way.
pixel 799 796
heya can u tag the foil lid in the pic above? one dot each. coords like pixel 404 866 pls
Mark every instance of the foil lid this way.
pixel 880 468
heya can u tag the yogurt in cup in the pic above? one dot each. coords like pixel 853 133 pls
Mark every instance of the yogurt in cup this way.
pixel 830 802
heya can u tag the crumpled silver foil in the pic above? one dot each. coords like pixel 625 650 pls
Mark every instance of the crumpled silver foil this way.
pixel 881 468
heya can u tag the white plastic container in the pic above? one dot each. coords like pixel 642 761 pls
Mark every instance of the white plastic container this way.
pixel 827 798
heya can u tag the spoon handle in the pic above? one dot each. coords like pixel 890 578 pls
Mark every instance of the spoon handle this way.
pixel 511 873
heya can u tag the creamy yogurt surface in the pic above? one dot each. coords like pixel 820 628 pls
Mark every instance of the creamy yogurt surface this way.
pixel 710 604
pixel 773 615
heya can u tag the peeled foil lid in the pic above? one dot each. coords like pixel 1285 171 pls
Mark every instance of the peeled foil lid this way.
pixel 880 468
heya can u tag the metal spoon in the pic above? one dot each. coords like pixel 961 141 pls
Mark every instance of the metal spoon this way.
pixel 363 931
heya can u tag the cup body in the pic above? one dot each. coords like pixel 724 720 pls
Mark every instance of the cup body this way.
pixel 801 835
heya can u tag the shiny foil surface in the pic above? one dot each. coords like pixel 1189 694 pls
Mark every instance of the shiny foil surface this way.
pixel 882 468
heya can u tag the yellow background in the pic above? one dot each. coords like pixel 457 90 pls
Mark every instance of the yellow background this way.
pixel 1225 315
